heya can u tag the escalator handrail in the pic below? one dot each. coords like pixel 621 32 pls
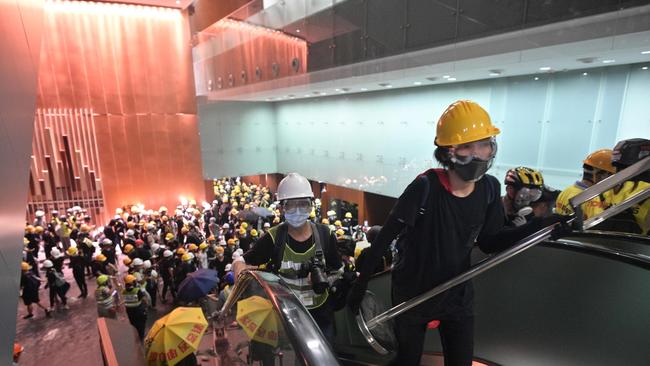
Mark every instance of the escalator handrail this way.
pixel 613 234
pixel 307 339
pixel 635 259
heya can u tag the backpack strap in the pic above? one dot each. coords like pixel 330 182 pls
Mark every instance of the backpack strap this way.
pixel 279 235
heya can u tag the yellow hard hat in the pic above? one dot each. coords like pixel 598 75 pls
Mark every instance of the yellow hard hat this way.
pixel 129 279
pixel 72 251
pixel 340 232
pixel 186 257
pixel 180 251
pixel 325 221
pixel 100 258
pixel 127 261
pixel 128 248
pixel 244 225
pixel 231 241
pixel 103 279
pixel 211 238
pixel 348 215
pixel 185 230
pixel 276 220
pixel 220 249
pixel 253 232
pixel 39 229
pixel 337 223
pixel 462 122
pixel 203 246
pixel 30 229
pixel 162 209
pixel 130 224
pixel 192 247
pixel 601 159
pixel 242 231
pixel 25 266
pixel 312 214
pixel 84 228
pixel 169 237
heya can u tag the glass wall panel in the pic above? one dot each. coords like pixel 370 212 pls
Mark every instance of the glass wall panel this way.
pixel 386 20
pixel 485 17
pixel 430 22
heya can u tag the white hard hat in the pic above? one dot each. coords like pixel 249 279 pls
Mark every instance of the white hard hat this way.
pixel 167 253
pixel 130 233
pixel 138 262
pixel 240 251
pixel 147 264
pixel 56 253
pixel 48 264
pixel 266 224
pixel 150 226
pixel 155 247
pixel 154 274
pixel 107 241
pixel 191 255
pixel 228 267
pixel 293 186
pixel 226 226
pixel 39 213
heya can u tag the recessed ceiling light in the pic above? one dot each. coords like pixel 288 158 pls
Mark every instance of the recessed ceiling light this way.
pixel 608 61
pixel 535 78
pixel 323 93
pixel 545 68
pixel 307 95
pixel 297 30
pixel 268 99
pixel 338 90
pixel 446 76
pixel 495 72
pixel 364 89
pixel 645 52
pixel 644 68
pixel 417 83
pixel 389 86
pixel 584 74
pixel 451 79
pixel 178 2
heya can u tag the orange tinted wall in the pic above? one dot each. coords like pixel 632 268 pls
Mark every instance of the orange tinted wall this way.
pixel 132 66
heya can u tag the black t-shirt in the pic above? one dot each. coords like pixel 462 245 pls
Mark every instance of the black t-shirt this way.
pixel 262 251
pixel 438 244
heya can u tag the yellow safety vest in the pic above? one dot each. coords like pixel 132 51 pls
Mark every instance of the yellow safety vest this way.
pixel 590 208
pixel 131 299
pixel 104 298
pixel 640 210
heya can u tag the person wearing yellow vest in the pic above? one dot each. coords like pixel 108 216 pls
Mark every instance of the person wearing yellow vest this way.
pixel 135 302
pixel 301 252
pixel 596 167
pixel 635 219
pixel 104 295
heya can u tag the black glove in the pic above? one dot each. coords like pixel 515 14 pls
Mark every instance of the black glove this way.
pixel 356 294
pixel 562 229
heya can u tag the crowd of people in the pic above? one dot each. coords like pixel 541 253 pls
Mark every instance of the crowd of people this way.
pixel 141 256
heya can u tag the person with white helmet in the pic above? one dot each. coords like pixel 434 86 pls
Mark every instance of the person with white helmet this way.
pixel 151 282
pixel 166 268
pixel 57 285
pixel 305 252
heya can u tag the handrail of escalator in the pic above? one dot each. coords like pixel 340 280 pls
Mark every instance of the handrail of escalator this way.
pixel 644 239
pixel 308 341
pixel 635 259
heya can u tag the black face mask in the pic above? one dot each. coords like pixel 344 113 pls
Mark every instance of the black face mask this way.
pixel 472 171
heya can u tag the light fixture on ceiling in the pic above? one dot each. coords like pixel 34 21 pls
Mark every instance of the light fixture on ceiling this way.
pixel 536 78
pixel 417 83
pixel 644 68
pixel 307 95
pixel 645 52
pixel 178 2
pixel 609 61
pixel 337 90
pixel 323 93
pixel 446 76
pixel 495 72
pixel 584 74
pixel 364 89
pixel 545 68
pixel 297 30
pixel 451 79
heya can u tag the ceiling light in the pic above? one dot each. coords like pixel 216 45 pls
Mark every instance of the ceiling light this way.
pixel 417 83
pixel 297 30
pixel 495 72
pixel 451 79
pixel 608 61
pixel 545 68
pixel 535 78
pixel 178 2
pixel 445 76
pixel 584 74
pixel 338 90
pixel 364 89
pixel 307 95
pixel 645 52
pixel 323 93
pixel 644 68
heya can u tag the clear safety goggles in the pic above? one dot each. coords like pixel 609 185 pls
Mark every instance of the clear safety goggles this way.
pixel 525 196
pixel 485 150
pixel 293 206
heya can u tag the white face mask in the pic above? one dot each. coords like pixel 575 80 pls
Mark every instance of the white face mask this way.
pixel 296 219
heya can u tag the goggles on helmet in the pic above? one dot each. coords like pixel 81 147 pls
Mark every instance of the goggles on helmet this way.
pixel 293 206
pixel 463 154
pixel 525 196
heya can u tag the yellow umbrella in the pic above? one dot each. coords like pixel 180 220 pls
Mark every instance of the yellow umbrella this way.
pixel 174 336
pixel 256 316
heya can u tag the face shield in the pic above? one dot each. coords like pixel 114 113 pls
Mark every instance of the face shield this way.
pixel 472 160
pixel 525 196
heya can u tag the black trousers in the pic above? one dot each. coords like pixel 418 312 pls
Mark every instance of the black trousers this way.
pixel 168 284
pixel 137 318
pixel 456 336
pixel 80 279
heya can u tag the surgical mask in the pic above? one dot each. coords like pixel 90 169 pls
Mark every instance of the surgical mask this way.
pixel 296 219
pixel 472 160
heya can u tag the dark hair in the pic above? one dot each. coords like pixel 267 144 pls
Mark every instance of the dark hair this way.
pixel 442 156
